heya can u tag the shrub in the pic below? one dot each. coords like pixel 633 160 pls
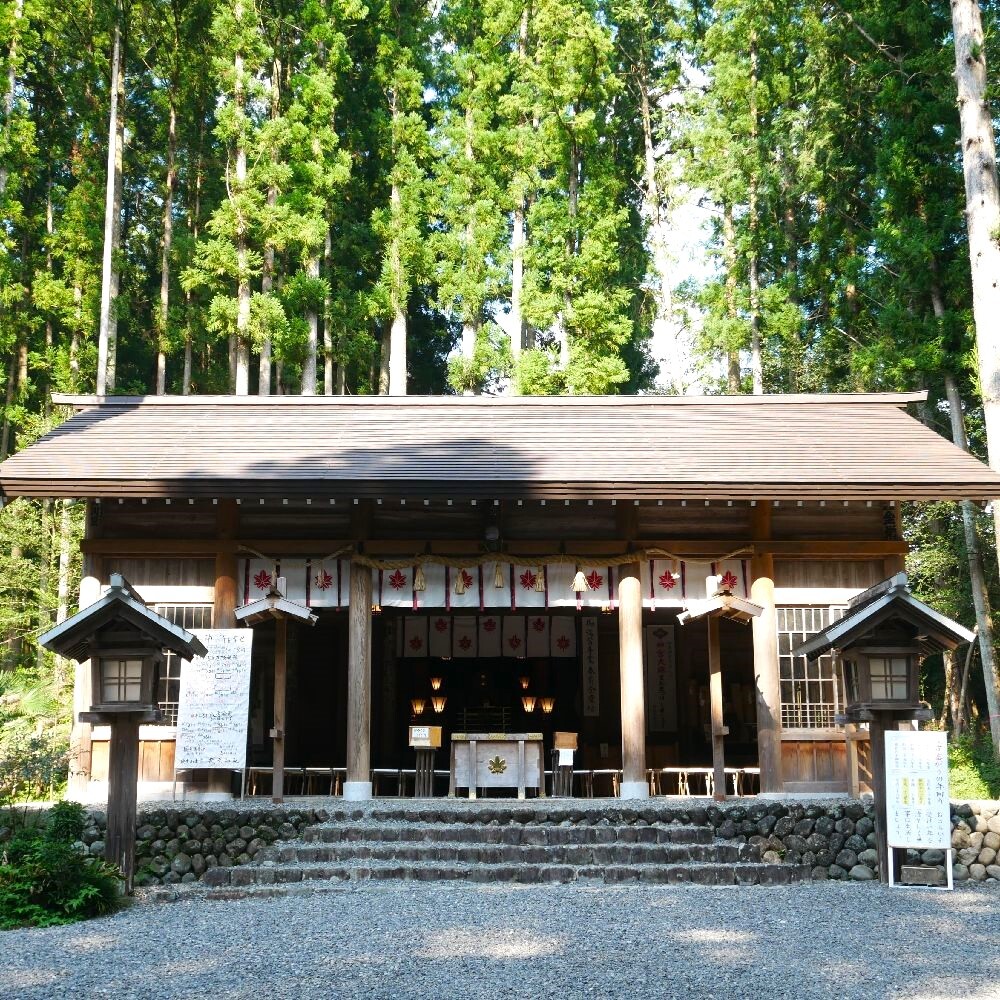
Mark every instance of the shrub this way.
pixel 973 769
pixel 45 878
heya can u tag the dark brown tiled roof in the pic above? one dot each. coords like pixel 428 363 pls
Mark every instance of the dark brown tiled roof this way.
pixel 795 447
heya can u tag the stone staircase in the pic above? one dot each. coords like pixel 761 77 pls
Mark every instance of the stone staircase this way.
pixel 503 841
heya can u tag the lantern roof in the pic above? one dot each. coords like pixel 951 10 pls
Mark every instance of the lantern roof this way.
pixel 888 601
pixel 274 604
pixel 74 638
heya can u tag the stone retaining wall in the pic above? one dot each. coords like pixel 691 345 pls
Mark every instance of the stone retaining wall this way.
pixel 836 839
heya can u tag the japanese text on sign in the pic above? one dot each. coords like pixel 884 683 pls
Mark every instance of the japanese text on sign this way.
pixel 215 702
pixel 916 790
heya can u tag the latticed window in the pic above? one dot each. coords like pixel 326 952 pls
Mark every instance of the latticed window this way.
pixel 890 677
pixel 121 680
pixel 187 616
pixel 810 691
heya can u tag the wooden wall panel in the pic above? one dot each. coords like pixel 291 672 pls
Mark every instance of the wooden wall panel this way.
pixel 696 521
pixel 833 521
pixel 850 573
pixel 177 572
pixel 814 765
pixel 156 760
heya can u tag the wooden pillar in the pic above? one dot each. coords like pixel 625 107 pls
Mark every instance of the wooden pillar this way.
pixel 123 774
pixel 633 700
pixel 359 683
pixel 719 729
pixel 80 735
pixel 765 657
pixel 227 527
pixel 278 732
pixel 876 728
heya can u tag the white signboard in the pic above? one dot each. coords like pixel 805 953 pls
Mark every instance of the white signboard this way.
pixel 918 813
pixel 215 701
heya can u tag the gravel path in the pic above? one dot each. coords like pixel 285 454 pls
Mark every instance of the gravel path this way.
pixel 429 941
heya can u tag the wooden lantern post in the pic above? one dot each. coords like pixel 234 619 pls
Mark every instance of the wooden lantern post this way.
pixel 124 641
pixel 275 606
pixel 881 641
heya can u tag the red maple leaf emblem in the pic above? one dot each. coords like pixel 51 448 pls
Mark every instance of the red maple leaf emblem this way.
pixel 465 642
pixel 467 579
pixel 323 580
pixel 728 581
pixel 397 581
pixel 262 580
pixel 528 580
pixel 562 642
pixel 594 580
pixel 416 642
pixel 490 625
pixel 514 641
pixel 667 581
pixel 538 624
pixel 441 625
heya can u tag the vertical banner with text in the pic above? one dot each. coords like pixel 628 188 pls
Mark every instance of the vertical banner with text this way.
pixel 591 675
pixel 661 679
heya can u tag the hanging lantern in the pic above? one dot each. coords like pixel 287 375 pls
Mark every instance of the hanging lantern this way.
pixel 418 705
pixel 376 609
pixel 438 701
pixel 605 609
pixel 548 704
pixel 419 580
pixel 540 580
pixel 580 584
pixel 435 683
pixel 528 702
pixel 524 680
pixel 498 578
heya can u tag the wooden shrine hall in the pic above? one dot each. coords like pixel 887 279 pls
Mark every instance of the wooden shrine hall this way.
pixel 515 567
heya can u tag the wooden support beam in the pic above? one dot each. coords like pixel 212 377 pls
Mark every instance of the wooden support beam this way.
pixel 765 658
pixel 123 775
pixel 280 687
pixel 359 682
pixel 633 699
pixel 719 729
pixel 686 548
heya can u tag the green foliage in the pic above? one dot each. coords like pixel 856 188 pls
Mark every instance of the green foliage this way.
pixel 46 880
pixel 973 769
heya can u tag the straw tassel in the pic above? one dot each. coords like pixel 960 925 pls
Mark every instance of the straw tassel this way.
pixel 580 582
pixel 419 580
pixel 498 578
pixel 460 582
pixel 540 580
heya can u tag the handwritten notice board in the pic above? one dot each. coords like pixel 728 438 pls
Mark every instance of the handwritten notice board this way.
pixel 215 701
pixel 916 790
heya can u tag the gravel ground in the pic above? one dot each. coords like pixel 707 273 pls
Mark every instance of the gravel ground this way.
pixel 420 940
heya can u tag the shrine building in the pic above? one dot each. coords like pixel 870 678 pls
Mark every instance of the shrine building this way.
pixel 511 565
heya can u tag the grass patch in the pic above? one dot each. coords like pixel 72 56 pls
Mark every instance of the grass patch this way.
pixel 973 769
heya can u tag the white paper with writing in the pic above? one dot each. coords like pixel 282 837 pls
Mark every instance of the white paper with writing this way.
pixel 918 813
pixel 215 701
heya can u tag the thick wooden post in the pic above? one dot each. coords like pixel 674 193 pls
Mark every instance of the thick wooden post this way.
pixel 227 526
pixel 123 773
pixel 633 699
pixel 876 730
pixel 719 729
pixel 765 657
pixel 359 683
pixel 278 732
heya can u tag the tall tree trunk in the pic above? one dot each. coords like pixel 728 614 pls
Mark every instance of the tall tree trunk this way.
pixel 572 246
pixel 385 349
pixel 8 403
pixel 470 324
pixel 267 277
pixel 74 337
pixel 729 256
pixel 194 225
pixel 241 345
pixel 167 241
pixel 397 304
pixel 49 329
pixel 11 91
pixel 753 263
pixel 112 226
pixel 982 214
pixel 328 314
pixel 980 594
pixel 518 235
pixel 312 342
